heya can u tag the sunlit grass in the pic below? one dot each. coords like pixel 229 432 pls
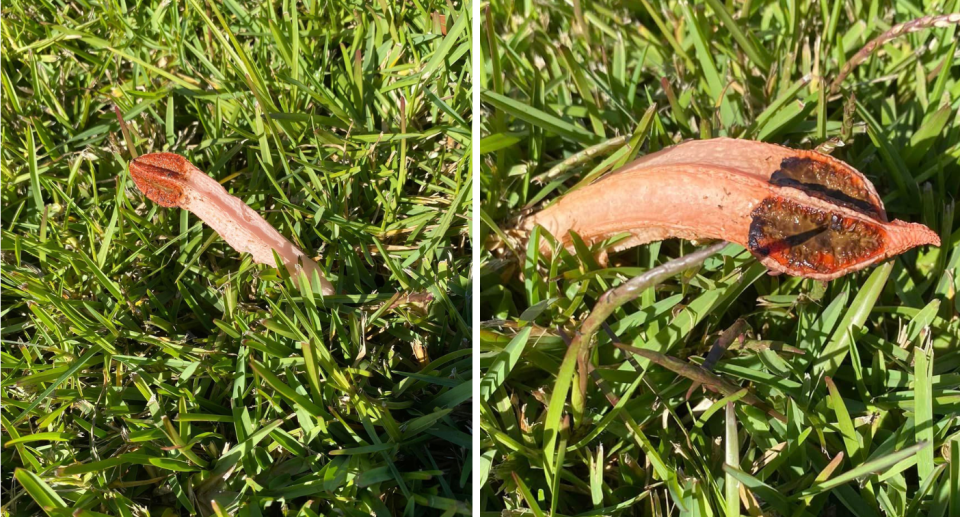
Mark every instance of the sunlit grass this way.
pixel 864 370
pixel 147 366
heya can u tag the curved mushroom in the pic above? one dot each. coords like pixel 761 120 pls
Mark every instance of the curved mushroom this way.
pixel 171 180
pixel 799 212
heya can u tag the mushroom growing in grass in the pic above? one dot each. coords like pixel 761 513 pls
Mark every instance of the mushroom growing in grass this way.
pixel 799 212
pixel 170 180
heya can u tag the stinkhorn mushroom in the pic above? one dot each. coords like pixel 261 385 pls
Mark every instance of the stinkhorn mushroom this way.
pixel 799 212
pixel 170 180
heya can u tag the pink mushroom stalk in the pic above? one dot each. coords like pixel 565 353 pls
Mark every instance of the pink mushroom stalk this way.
pixel 799 212
pixel 170 180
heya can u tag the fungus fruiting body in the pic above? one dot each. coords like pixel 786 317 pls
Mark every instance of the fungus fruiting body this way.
pixel 170 180
pixel 799 212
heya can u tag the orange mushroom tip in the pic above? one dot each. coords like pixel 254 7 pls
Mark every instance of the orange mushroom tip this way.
pixel 161 177
pixel 171 180
pixel 799 212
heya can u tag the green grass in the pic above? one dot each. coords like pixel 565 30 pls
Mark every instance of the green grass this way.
pixel 146 365
pixel 865 369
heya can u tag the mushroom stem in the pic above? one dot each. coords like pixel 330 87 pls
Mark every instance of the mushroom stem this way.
pixel 170 180
pixel 799 212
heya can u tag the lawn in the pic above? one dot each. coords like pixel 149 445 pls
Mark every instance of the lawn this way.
pixel 865 369
pixel 148 368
